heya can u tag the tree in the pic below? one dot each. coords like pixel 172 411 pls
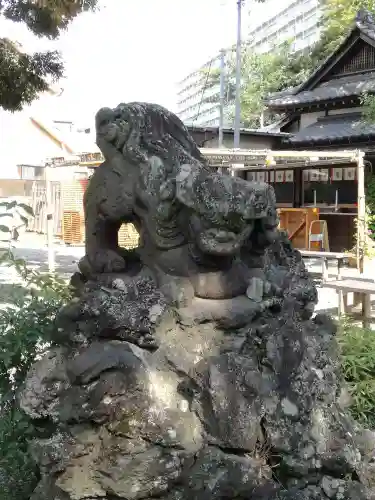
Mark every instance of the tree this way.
pixel 262 74
pixel 338 16
pixel 278 70
pixel 23 76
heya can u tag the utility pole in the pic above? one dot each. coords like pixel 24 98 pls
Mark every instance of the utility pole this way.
pixel 222 97
pixel 49 210
pixel 237 117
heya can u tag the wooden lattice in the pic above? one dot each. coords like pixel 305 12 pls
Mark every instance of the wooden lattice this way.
pixel 73 228
pixel 360 58
pixel 72 196
pixel 128 236
pixel 73 218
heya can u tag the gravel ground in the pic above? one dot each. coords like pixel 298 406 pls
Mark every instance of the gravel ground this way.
pixel 33 249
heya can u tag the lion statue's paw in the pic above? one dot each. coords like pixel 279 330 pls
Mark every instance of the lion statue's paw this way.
pixel 102 261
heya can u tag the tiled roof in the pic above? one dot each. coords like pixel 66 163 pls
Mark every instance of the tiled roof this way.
pixel 335 128
pixel 284 93
pixel 334 89
pixel 365 23
pixel 244 131
pixel 308 91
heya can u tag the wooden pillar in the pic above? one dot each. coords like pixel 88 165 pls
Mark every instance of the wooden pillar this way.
pixel 238 171
pixel 361 215
pixel 50 223
pixel 297 191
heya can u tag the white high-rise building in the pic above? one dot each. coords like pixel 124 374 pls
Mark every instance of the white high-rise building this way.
pixel 274 23
pixel 193 92
pixel 295 21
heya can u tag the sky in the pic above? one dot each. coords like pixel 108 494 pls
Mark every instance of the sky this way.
pixel 135 49
pixel 131 50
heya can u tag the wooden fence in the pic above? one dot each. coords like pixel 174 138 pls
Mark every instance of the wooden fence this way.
pixel 39 204
pixel 68 216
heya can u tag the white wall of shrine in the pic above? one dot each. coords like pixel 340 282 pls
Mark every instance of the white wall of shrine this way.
pixel 344 111
pixel 310 118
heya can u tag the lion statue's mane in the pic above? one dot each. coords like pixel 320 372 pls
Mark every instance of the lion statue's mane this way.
pixel 140 130
pixel 155 176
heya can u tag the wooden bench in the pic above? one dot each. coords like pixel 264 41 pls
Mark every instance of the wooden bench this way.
pixel 364 287
pixel 341 257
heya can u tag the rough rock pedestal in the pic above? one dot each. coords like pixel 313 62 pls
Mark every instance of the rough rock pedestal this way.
pixel 189 369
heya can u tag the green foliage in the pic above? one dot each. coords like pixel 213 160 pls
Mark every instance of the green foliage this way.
pixel 18 472
pixel 337 19
pixel 26 322
pixel 278 70
pixel 13 215
pixel 368 106
pixel 370 204
pixel 262 74
pixel 357 347
pixel 23 76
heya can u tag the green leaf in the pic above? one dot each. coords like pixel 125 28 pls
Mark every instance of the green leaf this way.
pixel 25 220
pixel 27 209
pixel 4 229
pixel 12 204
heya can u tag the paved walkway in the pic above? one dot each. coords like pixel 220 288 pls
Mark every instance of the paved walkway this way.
pixel 34 252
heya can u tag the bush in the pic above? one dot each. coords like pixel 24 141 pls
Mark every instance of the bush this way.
pixel 26 321
pixel 370 205
pixel 25 326
pixel 18 472
pixel 357 347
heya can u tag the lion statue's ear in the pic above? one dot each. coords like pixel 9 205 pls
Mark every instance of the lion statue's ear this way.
pixel 181 134
pixel 103 117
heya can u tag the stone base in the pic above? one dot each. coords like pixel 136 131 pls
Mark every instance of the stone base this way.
pixel 223 400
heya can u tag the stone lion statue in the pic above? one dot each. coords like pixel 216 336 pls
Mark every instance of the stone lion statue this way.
pixel 181 372
pixel 190 218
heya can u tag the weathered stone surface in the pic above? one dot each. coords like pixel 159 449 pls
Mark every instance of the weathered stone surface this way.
pixel 218 475
pixel 255 290
pixel 47 490
pixel 114 313
pixel 148 473
pixel 45 382
pixel 190 368
pixel 231 398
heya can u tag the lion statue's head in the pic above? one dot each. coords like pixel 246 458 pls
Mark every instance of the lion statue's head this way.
pixel 140 130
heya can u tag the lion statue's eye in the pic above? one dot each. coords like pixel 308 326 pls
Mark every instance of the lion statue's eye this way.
pixel 123 125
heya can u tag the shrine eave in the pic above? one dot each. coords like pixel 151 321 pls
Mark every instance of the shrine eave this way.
pixel 347 128
pixel 346 89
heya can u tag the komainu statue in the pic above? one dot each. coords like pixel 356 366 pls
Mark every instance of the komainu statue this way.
pixel 190 219
pixel 191 367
